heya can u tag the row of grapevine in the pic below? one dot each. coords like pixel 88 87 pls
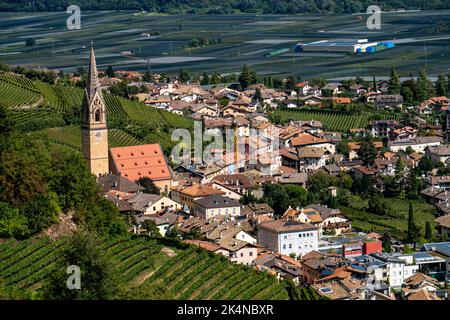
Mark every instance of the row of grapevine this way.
pixel 16 96
pixel 120 138
pixel 333 121
pixel 192 274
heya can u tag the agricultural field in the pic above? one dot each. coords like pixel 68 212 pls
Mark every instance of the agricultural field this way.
pixel 334 121
pixel 190 273
pixel 135 41
pixel 397 224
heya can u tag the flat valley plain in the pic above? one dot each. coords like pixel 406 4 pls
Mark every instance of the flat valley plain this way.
pixel 423 42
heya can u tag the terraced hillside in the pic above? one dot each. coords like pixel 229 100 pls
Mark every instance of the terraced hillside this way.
pixel 40 107
pixel 333 121
pixel 34 100
pixel 190 273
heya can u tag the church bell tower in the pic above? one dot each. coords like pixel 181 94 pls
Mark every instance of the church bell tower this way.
pixel 94 132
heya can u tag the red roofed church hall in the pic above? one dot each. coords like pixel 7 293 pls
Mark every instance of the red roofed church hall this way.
pixel 147 160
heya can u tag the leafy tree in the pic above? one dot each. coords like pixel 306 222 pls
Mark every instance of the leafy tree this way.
pixel 98 280
pixel 387 242
pixel 407 94
pixel 367 152
pixel 42 212
pixel 379 205
pixel 183 75
pixel 247 77
pixel 12 223
pixel 297 195
pixel 248 198
pixel 110 72
pixel 424 87
pixel 342 148
pixel 319 181
pixel 205 79
pixel 276 197
pixel 394 82
pixel 149 185
pixel 258 96
pixel 426 164
pixel 413 233
pixel 151 228
pixel 441 85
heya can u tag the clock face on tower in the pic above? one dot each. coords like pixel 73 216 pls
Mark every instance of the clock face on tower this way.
pixel 98 135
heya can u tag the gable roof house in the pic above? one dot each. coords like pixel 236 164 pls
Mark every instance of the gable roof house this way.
pixel 439 154
pixel 134 162
pixel 187 194
pixel 152 204
pixel 309 140
pixel 118 184
pixel 216 205
pixel 312 158
pixel 389 101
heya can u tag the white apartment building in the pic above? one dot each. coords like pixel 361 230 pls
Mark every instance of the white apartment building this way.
pixel 288 236
pixel 392 268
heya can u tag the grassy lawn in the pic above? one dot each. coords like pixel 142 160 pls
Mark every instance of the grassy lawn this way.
pixel 397 226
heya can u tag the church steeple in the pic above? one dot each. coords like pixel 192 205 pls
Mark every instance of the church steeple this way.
pixel 92 84
pixel 93 125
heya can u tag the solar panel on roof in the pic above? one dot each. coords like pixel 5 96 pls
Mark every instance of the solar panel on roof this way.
pixel 326 290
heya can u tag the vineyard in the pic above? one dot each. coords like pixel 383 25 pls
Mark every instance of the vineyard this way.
pixel 35 102
pixel 17 92
pixel 192 274
pixel 331 120
pixel 70 136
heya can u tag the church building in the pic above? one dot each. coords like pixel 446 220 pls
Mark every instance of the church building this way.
pixel 94 132
pixel 133 162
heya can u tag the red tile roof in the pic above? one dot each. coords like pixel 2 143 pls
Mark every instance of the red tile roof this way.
pixel 134 162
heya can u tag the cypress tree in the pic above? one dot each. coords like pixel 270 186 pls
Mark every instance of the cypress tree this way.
pixel 441 85
pixel 394 82
pixel 428 231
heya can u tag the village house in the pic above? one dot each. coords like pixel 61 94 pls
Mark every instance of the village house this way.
pixel 151 204
pixel 335 88
pixel 236 251
pixel 284 267
pixel 315 265
pixel 309 140
pixel 118 185
pixel 288 237
pixel 215 205
pixel 443 225
pixel 389 101
pixel 312 158
pixel 419 144
pixel 186 195
pixel 417 283
pixel 391 269
pixel 439 154
pixel 382 128
pixel 295 178
pixel 404 133
pixel 327 220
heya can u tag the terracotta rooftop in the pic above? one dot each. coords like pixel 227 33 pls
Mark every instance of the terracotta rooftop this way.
pixel 422 294
pixel 305 139
pixel 200 190
pixel 134 162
